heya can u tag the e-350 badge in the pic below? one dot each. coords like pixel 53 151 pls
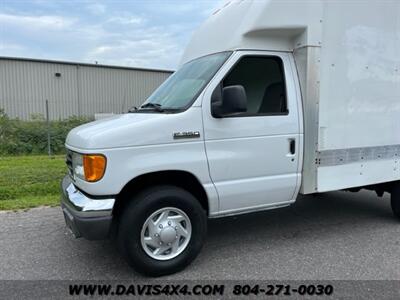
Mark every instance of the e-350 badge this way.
pixel 186 135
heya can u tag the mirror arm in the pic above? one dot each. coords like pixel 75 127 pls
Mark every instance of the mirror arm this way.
pixel 216 102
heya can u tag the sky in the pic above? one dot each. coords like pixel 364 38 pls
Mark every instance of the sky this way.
pixel 137 33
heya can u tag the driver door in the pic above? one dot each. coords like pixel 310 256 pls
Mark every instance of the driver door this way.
pixel 254 156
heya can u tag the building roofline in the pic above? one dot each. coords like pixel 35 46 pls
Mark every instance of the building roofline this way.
pixel 50 61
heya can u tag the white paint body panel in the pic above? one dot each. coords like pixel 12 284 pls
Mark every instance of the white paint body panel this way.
pixel 135 129
pixel 359 93
pixel 373 171
pixel 249 158
pixel 274 25
pixel 141 143
pixel 360 88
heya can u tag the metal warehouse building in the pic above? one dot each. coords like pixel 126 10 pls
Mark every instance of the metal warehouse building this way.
pixel 72 88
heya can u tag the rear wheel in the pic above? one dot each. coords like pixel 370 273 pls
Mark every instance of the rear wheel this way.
pixel 395 199
pixel 162 230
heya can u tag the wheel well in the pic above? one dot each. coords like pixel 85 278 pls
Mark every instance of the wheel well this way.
pixel 180 179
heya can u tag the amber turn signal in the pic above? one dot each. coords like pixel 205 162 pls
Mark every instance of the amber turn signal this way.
pixel 94 166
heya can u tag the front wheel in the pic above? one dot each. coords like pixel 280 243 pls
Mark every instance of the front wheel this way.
pixel 162 230
pixel 395 199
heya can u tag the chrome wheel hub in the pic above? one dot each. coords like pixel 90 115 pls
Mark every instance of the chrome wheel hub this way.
pixel 166 233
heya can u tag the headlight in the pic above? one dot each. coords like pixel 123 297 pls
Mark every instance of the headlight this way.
pixel 77 165
pixel 89 167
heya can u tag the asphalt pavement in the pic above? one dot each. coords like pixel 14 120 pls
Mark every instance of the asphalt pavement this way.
pixel 336 236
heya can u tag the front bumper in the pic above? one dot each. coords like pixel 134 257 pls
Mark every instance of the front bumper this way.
pixel 85 216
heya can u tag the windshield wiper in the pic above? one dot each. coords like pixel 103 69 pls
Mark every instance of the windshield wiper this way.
pixel 150 105
pixel 132 109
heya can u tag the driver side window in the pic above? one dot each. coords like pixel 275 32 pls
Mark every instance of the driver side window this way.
pixel 263 81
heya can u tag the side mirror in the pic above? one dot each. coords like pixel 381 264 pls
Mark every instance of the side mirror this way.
pixel 228 101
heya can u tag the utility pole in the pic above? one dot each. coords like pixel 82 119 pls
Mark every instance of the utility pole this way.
pixel 48 128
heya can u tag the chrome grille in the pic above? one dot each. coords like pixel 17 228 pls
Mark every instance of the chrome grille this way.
pixel 68 161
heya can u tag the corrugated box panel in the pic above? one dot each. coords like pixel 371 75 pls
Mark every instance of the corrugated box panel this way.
pixel 72 89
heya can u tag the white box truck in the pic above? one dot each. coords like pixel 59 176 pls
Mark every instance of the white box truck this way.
pixel 273 98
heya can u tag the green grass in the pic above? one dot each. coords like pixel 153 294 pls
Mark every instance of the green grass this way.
pixel 30 181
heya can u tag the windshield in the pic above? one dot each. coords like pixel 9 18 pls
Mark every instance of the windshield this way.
pixel 182 87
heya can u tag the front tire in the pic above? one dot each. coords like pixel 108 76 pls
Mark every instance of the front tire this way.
pixel 162 230
pixel 395 199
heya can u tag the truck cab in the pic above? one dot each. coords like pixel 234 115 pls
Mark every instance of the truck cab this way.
pixel 225 125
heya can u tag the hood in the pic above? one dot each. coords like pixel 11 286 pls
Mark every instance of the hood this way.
pixel 133 129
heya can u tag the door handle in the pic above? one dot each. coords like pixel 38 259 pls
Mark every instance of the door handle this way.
pixel 292 146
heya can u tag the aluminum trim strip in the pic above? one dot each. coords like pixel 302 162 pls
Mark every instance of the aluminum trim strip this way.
pixel 352 155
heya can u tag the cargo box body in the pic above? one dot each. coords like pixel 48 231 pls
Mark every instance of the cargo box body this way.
pixel 348 66
pixel 351 97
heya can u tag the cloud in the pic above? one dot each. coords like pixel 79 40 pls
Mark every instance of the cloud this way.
pixel 145 48
pixel 36 22
pixel 132 43
pixel 10 47
pixel 126 20
pixel 138 33
pixel 96 8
